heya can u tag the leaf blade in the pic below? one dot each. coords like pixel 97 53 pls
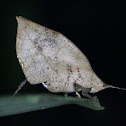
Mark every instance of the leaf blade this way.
pixel 10 105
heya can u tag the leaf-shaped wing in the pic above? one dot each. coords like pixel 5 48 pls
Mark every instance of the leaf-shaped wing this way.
pixel 45 54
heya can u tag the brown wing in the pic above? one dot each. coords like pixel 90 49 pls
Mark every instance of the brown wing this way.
pixel 44 54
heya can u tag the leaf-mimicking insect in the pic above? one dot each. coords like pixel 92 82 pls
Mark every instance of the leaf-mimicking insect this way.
pixel 48 57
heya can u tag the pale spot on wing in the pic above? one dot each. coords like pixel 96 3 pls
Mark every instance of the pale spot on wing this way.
pixel 22 64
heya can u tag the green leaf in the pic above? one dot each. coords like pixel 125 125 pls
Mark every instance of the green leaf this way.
pixel 10 105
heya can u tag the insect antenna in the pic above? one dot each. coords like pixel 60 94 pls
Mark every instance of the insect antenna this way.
pixel 110 86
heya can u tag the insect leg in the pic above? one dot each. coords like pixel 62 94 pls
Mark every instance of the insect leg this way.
pixel 77 89
pixel 78 95
pixel 19 87
pixel 88 96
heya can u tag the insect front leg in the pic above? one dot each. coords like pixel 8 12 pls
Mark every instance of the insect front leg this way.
pixel 85 93
pixel 76 88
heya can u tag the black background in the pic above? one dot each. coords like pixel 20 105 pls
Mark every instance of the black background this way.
pixel 98 29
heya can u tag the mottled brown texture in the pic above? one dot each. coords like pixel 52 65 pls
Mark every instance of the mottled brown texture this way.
pixel 48 56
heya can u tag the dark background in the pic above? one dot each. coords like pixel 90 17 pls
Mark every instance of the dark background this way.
pixel 98 29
